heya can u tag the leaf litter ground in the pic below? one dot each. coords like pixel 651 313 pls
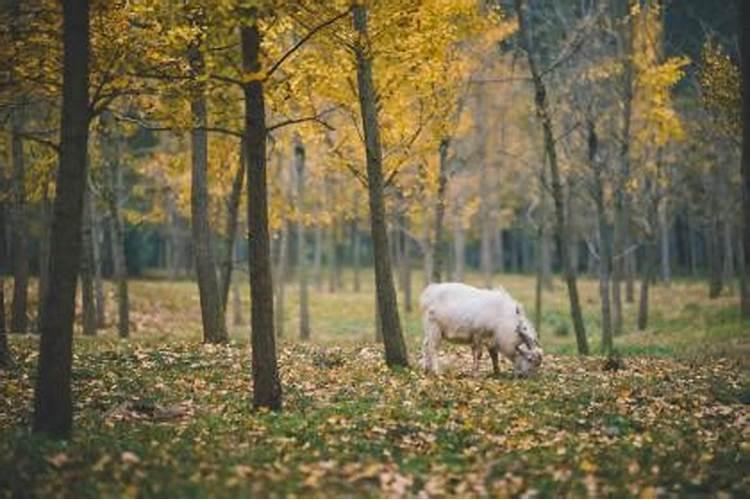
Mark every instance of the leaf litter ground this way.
pixel 175 420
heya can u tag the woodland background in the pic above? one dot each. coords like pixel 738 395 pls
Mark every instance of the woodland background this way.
pixel 157 156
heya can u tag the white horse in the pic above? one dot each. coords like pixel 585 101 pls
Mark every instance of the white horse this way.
pixel 489 319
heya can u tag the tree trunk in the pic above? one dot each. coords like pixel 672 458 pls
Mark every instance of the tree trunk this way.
pixel 304 307
pixel 281 277
pixel 649 266
pixel 557 191
pixel 331 257
pixel 630 270
pixel 744 28
pixel 114 192
pixel 485 192
pixel 266 381
pixel 605 244
pixel 728 264
pixel 666 270
pixel 20 250
pixel 236 296
pixel 438 251
pixel 233 210
pixel 100 298
pixel 715 283
pixel 87 267
pixel 500 251
pixel 318 260
pixel 5 356
pixel 459 245
pixel 395 347
pixel 212 310
pixel 404 263
pixel 44 244
pixel 53 408
pixel 622 262
pixel 693 246
pixel 356 254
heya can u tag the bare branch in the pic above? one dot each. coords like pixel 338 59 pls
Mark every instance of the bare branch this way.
pixel 304 39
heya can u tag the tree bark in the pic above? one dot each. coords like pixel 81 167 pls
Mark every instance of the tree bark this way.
pixel 605 244
pixel 114 193
pixel 302 271
pixel 281 277
pixel 459 248
pixel 404 263
pixel 212 309
pixel 356 254
pixel 100 298
pixel 715 282
pixel 395 347
pixel 87 267
pixel 557 191
pixel 233 210
pixel 622 201
pixel 44 243
pixel 666 269
pixel 728 271
pixel 649 267
pixel 744 28
pixel 438 252
pixel 331 256
pixel 20 249
pixel 5 356
pixel 53 408
pixel 318 259
pixel 266 381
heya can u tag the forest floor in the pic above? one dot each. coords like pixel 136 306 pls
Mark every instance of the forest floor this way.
pixel 163 415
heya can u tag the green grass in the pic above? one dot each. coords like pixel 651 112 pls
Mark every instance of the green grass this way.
pixel 161 414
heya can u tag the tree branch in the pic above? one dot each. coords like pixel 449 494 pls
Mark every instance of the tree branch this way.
pixel 305 38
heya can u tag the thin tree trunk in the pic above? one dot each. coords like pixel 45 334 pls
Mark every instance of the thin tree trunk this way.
pixel 53 407
pixel 302 271
pixel 331 256
pixel 337 251
pixel 212 310
pixel 622 263
pixel 744 29
pixel 459 245
pixel 357 252
pixel 233 210
pixel 266 381
pixel 485 190
pixel 236 296
pixel 113 179
pixel 87 267
pixel 318 260
pixel 557 190
pixel 649 266
pixel 438 250
pixel 20 250
pixel 44 244
pixel 693 246
pixel 500 251
pixel 100 298
pixel 605 244
pixel 630 271
pixel 5 355
pixel 728 267
pixel 666 270
pixel 281 277
pixel 395 347
pixel 404 263
pixel 715 283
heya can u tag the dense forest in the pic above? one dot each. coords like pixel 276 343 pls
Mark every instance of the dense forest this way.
pixel 591 157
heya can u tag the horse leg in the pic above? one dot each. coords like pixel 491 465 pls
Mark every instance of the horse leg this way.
pixel 493 357
pixel 431 343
